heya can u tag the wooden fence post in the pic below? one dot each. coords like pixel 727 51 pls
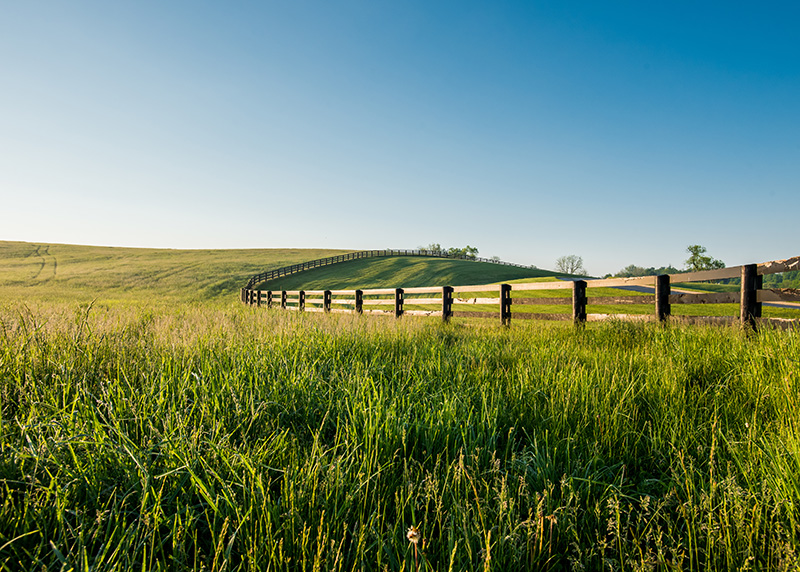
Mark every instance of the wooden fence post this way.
pixel 398 302
pixel 579 302
pixel 447 303
pixel 663 307
pixel 749 296
pixel 505 304
pixel 258 298
pixel 759 286
pixel 359 302
pixel 301 300
pixel 326 301
pixel 283 299
pixel 269 298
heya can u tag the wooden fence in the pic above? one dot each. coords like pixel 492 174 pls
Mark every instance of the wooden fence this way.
pixel 318 263
pixel 495 301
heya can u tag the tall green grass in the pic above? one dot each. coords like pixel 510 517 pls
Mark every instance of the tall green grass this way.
pixel 243 439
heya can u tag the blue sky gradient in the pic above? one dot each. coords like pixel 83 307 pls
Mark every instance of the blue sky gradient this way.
pixel 618 131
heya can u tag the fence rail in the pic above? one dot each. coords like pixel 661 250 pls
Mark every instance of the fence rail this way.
pixel 495 301
pixel 320 262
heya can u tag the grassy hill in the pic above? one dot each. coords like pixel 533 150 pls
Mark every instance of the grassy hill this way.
pixel 401 272
pixel 62 272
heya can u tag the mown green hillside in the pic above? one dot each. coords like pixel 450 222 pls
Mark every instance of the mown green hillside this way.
pixel 61 272
pixel 108 275
pixel 401 272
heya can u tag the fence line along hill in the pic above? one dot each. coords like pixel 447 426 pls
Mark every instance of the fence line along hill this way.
pixel 273 274
pixel 559 300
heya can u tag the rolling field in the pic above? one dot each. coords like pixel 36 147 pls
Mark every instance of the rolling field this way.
pixel 402 272
pixel 146 434
pixel 60 272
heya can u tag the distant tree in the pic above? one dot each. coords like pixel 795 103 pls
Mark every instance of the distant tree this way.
pixel 570 264
pixel 436 248
pixel 699 261
pixel 495 258
pixel 632 271
pixel 432 248
pixel 468 251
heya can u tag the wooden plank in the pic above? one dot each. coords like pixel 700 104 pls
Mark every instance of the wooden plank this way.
pixel 705 320
pixel 779 295
pixel 628 317
pixel 412 301
pixel 423 290
pixel 315 293
pixel 732 272
pixel 476 301
pixel 706 298
pixel 314 310
pixel 541 301
pixel 617 282
pixel 779 323
pixel 538 316
pixel 427 313
pixel 343 292
pixel 482 288
pixel 383 302
pixel 380 312
pixel 379 292
pixel 560 285
pixel 494 315
pixel 343 301
pixel 293 292
pixel 614 300
pixel 776 266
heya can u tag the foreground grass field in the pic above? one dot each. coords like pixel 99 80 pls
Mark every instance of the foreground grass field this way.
pixel 233 438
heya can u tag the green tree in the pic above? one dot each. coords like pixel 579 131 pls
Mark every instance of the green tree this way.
pixel 699 261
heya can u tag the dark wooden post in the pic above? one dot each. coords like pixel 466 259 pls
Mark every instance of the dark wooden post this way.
pixel 759 286
pixel 663 307
pixel 258 298
pixel 398 302
pixel 447 303
pixel 579 302
pixel 749 296
pixel 326 301
pixel 301 300
pixel 359 302
pixel 269 298
pixel 505 304
pixel 283 299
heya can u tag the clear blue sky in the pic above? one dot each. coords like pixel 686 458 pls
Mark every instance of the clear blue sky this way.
pixel 617 131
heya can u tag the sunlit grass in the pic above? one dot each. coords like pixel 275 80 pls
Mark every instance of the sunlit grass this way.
pixel 232 438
